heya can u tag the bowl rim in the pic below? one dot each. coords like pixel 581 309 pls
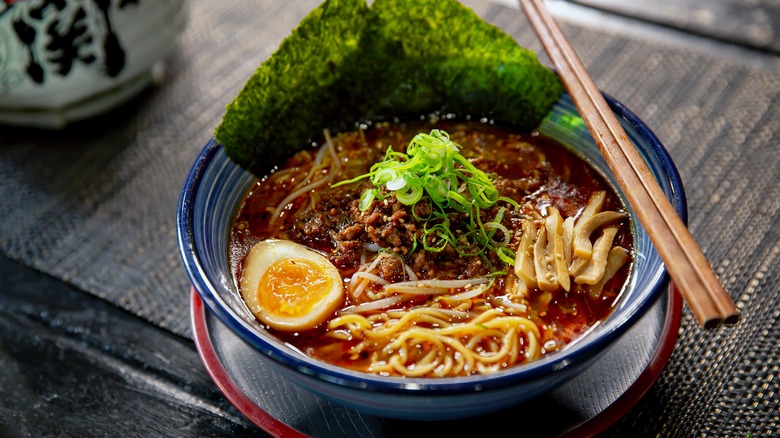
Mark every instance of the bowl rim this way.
pixel 432 385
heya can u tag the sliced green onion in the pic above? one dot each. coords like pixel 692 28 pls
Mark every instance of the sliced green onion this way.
pixel 409 195
pixel 366 199
pixel 433 168
pixel 493 226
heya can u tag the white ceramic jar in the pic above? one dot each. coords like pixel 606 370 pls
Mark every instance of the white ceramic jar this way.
pixel 67 60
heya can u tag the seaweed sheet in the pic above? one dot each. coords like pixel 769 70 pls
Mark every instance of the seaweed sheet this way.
pixel 346 62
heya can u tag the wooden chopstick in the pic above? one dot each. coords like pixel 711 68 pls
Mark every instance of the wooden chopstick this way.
pixel 698 284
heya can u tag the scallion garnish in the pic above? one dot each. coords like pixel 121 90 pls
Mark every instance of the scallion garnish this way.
pixel 433 168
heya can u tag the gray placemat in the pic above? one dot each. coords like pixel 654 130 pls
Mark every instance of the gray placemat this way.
pixel 751 23
pixel 95 204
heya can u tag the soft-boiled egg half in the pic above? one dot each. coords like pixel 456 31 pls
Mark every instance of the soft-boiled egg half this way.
pixel 289 286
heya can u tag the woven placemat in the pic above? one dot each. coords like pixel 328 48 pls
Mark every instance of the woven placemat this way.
pixel 95 204
pixel 751 23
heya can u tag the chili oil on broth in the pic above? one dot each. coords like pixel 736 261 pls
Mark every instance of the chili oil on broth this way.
pixel 457 337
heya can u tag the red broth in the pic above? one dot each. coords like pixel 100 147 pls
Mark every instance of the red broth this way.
pixel 529 168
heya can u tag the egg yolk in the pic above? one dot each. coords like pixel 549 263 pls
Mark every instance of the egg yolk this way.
pixel 293 287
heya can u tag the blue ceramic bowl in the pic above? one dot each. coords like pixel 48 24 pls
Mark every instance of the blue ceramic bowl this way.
pixel 216 186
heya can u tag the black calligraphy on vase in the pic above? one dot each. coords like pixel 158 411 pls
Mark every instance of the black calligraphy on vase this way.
pixel 58 34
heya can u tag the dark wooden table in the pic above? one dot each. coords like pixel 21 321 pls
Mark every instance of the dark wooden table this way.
pixel 73 364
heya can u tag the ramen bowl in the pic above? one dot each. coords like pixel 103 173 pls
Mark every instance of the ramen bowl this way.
pixel 215 188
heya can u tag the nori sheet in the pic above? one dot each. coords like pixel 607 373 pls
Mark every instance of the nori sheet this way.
pixel 347 62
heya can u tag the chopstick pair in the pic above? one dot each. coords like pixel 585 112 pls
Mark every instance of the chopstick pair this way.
pixel 698 284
